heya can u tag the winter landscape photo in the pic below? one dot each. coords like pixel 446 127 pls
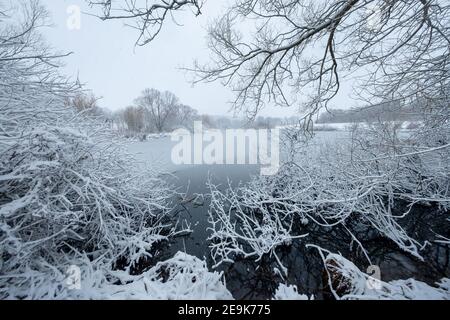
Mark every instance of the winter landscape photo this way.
pixel 225 150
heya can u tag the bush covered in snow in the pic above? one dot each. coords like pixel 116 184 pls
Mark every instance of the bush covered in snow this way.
pixel 286 292
pixel 346 282
pixel 181 277
pixel 69 195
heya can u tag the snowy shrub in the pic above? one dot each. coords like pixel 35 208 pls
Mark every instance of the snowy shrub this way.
pixel 66 189
pixel 61 190
pixel 181 277
pixel 244 230
pixel 346 282
pixel 286 292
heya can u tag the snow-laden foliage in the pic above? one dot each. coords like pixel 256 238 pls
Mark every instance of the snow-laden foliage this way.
pixel 65 187
pixel 235 222
pixel 371 179
pixel 62 189
pixel 181 277
pixel 347 282
pixel 289 292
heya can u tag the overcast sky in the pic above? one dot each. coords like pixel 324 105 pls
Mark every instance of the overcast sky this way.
pixel 106 60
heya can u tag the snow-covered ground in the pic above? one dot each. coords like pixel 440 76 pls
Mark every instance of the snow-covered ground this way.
pixel 182 277
pixel 350 283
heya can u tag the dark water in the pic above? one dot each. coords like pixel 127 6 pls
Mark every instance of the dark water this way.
pixel 194 206
pixel 249 280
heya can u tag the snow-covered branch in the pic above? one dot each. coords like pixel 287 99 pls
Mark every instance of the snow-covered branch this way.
pixel 66 187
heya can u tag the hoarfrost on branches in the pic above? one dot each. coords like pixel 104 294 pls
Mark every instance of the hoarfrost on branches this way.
pixel 180 277
pixel 66 188
pixel 361 182
pixel 289 292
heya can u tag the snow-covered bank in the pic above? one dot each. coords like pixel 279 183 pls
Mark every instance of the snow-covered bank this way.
pixel 185 277
pixel 347 282
pixel 145 137
pixel 69 194
pixel 180 277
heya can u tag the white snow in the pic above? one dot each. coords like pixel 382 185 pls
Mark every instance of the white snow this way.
pixel 188 278
pixel 343 275
pixel 181 277
pixel 289 292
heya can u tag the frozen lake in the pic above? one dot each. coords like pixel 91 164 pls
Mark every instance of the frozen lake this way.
pixel 156 152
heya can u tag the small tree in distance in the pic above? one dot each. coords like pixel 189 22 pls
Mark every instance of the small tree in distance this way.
pixel 155 111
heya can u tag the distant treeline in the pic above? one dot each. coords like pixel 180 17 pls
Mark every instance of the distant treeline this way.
pixel 227 122
pixel 157 112
pixel 389 111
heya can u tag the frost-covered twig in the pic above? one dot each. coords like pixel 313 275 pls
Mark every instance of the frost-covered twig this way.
pixel 242 229
pixel 66 187
pixel 180 277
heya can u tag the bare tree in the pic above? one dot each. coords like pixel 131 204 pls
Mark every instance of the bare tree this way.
pixel 147 17
pixel 306 47
pixel 134 118
pixel 154 111
pixel 186 115
pixel 27 66
pixel 159 107
pixel 303 48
